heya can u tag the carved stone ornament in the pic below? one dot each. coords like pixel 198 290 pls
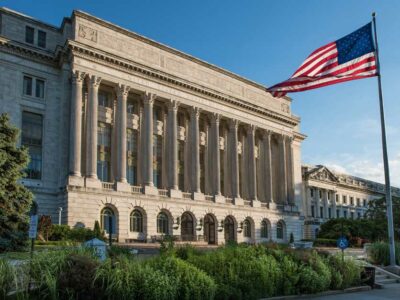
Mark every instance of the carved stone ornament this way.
pixel 87 33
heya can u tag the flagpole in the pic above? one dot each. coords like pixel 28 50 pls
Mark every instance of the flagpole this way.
pixel 389 206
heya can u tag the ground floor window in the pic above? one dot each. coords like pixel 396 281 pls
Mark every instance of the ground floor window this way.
pixel 264 229
pixel 136 221
pixel 162 223
pixel 247 228
pixel 107 220
pixel 280 230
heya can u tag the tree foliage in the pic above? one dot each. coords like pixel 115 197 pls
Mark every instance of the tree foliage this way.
pixel 15 199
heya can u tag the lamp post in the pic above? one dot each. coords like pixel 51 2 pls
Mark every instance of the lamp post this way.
pixel 60 209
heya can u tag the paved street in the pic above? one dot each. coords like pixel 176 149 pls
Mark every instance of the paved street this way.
pixel 391 291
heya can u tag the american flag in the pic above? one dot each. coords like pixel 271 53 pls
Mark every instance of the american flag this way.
pixel 349 58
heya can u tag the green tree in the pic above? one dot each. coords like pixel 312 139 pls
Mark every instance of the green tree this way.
pixel 377 212
pixel 15 199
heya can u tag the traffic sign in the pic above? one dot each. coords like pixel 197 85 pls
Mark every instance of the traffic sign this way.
pixel 342 243
pixel 33 226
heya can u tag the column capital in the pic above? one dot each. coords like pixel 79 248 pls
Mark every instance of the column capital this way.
pixel 122 90
pixel 215 118
pixel 267 134
pixel 148 98
pixel 94 81
pixel 251 129
pixel 78 77
pixel 195 111
pixel 234 124
pixel 282 138
pixel 173 104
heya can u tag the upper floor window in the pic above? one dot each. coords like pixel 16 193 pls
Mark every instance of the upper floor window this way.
pixel 351 201
pixel 320 194
pixel 312 192
pixel 33 87
pixel 130 106
pixel 344 198
pixel 32 130
pixel 42 39
pixel 104 99
pixel 358 202
pixel 29 34
pixel 364 202
pixel 337 198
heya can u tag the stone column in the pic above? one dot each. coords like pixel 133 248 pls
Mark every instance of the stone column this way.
pixel 148 101
pixel 283 174
pixel 326 203
pixel 333 201
pixel 268 168
pixel 195 144
pixel 290 171
pixel 76 127
pixel 173 149
pixel 316 197
pixel 92 122
pixel 216 160
pixel 309 201
pixel 233 127
pixel 251 132
pixel 121 116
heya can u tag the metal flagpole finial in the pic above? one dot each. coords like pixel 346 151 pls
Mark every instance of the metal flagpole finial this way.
pixel 373 14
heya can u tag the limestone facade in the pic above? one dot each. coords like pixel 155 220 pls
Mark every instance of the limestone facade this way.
pixel 127 130
pixel 330 195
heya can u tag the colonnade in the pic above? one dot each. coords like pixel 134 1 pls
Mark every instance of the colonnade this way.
pixel 272 177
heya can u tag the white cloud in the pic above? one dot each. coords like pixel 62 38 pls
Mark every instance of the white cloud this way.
pixel 366 168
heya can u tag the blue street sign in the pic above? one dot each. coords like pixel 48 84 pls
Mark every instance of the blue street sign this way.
pixel 342 243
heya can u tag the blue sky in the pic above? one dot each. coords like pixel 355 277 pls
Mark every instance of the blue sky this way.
pixel 266 41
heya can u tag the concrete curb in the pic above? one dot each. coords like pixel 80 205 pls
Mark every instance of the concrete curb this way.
pixel 327 293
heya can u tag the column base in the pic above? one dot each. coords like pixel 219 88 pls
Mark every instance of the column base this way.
pixel 75 180
pixel 238 201
pixel 198 196
pixel 256 203
pixel 123 186
pixel 150 190
pixel 93 183
pixel 219 199
pixel 272 205
pixel 175 193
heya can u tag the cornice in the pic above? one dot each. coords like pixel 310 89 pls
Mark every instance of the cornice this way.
pixel 16 48
pixel 87 52
pixel 153 43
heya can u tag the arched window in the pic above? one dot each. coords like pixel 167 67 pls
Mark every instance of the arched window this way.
pixel 247 228
pixel 162 223
pixel 136 222
pixel 280 229
pixel 107 216
pixel 264 229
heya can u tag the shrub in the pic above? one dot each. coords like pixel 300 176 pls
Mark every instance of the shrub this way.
pixel 378 253
pixel 345 273
pixel 76 278
pixel 129 279
pixel 290 272
pixel 81 234
pixel 324 242
pixel 98 233
pixel 7 276
pixel 115 251
pixel 186 251
pixel 59 232
pixel 190 282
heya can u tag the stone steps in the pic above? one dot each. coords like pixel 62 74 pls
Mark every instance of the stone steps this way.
pixel 383 278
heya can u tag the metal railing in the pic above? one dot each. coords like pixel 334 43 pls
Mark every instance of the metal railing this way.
pixel 247 202
pixel 136 189
pixel 163 193
pixel 263 204
pixel 110 186
pixel 228 200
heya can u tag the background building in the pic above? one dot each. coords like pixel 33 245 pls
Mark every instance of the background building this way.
pixel 122 128
pixel 330 195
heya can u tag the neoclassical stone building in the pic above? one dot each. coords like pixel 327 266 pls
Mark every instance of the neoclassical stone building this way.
pixel 330 195
pixel 122 128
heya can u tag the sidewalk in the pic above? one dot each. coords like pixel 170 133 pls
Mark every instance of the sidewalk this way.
pixel 391 291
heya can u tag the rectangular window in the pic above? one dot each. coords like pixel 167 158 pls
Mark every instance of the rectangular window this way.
pixel 337 213
pixel 157 160
pixel 320 194
pixel 345 214
pixel 312 211
pixel 104 99
pixel 312 192
pixel 39 88
pixel 130 106
pixel 29 34
pixel 329 213
pixel 32 130
pixel 364 202
pixel 358 202
pixel 131 137
pixel 42 39
pixel 337 198
pixel 352 215
pixel 351 201
pixel 28 85
pixel 181 165
pixel 103 151
pixel 321 212
pixel 344 199
pixel 358 215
